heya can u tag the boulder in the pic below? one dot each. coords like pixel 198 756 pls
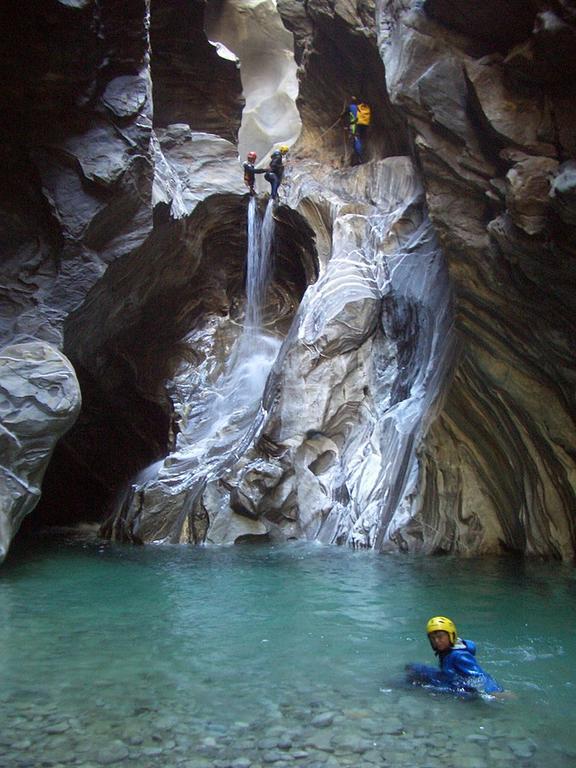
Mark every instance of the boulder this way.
pixel 39 402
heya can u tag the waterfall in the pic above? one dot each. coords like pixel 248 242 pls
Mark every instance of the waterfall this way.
pixel 220 413
pixel 258 263
pixel 256 269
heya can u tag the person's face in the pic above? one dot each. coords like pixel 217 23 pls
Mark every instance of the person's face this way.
pixel 440 640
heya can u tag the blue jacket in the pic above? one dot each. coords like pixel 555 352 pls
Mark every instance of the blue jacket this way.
pixel 459 672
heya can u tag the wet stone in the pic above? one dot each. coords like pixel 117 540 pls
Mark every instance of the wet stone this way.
pixel 152 751
pixel 55 728
pixel 323 720
pixel 275 756
pixel 392 725
pixel 267 743
pixel 241 762
pixel 115 752
pixel 22 745
pixel 522 748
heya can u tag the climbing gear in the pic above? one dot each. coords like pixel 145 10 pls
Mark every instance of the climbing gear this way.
pixel 251 156
pixel 364 114
pixel 442 624
pixel 284 149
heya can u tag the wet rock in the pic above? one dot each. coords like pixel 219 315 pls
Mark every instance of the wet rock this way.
pixel 500 106
pixel 522 748
pixel 347 743
pixel 241 762
pixel 267 743
pixel 321 741
pixel 528 191
pixel 126 95
pixel 115 752
pixel 284 742
pixel 275 756
pixel 323 720
pixel 40 401
pixel 61 727
pixel 392 726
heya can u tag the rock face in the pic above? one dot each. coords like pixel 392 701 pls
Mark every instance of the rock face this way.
pixel 39 401
pixel 493 119
pixel 255 34
pixel 422 398
pixel 76 161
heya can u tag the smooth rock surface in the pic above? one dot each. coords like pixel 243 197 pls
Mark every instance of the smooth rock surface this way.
pixel 39 402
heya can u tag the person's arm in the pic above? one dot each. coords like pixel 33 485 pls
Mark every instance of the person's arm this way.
pixel 472 674
pixel 425 675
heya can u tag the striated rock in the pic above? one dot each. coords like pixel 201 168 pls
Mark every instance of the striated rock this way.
pixel 338 58
pixel 513 117
pixel 255 34
pixel 39 402
pixel 376 427
pixel 78 181
pixel 125 96
pixel 490 26
pixel 493 472
pixel 192 166
pixel 350 395
pixel 528 191
pixel 192 84
pixel 174 306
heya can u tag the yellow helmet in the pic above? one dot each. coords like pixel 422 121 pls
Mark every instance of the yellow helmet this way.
pixel 284 149
pixel 442 624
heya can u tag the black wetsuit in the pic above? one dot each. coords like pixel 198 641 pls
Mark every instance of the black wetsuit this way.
pixel 275 172
pixel 250 175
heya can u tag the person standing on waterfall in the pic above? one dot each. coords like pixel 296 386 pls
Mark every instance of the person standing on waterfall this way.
pixel 275 170
pixel 250 171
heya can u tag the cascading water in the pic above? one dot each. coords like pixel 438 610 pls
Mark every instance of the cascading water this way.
pixel 220 413
pixel 259 264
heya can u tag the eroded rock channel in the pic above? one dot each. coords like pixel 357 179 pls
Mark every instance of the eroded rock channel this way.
pixel 416 338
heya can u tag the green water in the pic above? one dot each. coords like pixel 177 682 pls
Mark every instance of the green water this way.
pixel 277 656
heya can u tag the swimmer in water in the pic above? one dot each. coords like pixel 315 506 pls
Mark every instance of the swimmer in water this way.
pixel 458 672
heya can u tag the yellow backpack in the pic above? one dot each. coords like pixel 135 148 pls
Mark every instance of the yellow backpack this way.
pixel 364 114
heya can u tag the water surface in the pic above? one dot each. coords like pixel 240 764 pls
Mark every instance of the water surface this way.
pixel 275 656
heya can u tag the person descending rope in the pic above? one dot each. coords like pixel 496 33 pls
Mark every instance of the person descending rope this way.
pixel 250 171
pixel 275 170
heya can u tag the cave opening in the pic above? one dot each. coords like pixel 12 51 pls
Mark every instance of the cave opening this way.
pixel 130 336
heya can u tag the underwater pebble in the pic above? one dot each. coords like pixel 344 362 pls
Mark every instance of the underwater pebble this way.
pixel 61 727
pixel 152 751
pixel 113 753
pixel 522 748
pixel 267 743
pixel 392 725
pixel 275 756
pixel 323 720
pixel 241 762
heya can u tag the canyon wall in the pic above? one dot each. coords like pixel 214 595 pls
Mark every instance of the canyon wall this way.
pixel 423 394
